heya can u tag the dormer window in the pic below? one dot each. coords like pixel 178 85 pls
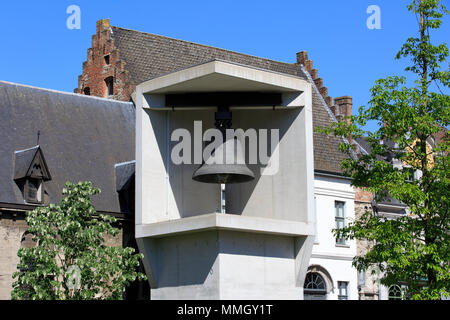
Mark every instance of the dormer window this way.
pixel 33 190
pixel 30 174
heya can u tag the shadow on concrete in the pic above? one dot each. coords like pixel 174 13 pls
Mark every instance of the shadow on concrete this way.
pixel 187 192
pixel 238 195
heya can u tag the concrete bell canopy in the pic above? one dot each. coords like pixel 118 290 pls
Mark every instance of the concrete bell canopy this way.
pixel 260 248
pixel 221 76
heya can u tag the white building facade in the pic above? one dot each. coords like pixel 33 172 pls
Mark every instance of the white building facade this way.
pixel 331 275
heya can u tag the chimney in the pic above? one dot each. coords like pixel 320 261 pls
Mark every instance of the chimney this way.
pixel 343 108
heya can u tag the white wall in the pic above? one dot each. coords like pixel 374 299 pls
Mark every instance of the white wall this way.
pixel 334 258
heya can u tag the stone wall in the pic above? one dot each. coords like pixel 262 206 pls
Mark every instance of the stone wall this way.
pixel 12 230
pixel 368 290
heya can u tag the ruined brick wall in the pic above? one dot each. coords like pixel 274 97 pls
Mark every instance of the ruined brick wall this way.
pixel 103 62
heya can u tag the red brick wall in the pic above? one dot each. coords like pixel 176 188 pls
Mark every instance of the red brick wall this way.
pixel 363 195
pixel 95 69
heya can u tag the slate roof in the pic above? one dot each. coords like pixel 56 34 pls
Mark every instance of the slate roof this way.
pixel 81 137
pixel 148 56
pixel 124 173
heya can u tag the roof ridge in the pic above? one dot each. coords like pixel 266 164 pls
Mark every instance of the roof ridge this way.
pixel 27 149
pixel 61 92
pixel 124 163
pixel 206 46
pixel 224 61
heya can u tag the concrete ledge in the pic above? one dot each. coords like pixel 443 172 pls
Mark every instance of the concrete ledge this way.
pixel 224 222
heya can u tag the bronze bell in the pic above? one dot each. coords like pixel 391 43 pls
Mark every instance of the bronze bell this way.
pixel 223 171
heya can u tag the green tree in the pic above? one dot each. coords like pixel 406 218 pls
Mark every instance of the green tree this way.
pixel 413 248
pixel 70 259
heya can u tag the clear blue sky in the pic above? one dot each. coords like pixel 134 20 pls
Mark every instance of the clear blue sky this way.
pixel 39 50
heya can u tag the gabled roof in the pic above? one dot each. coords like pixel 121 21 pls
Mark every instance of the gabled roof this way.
pixel 25 161
pixel 148 56
pixel 83 138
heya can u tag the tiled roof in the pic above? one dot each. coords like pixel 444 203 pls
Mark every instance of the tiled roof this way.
pixel 148 56
pixel 327 156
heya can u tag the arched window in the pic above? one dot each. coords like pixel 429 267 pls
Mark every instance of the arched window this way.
pixel 395 292
pixel 315 287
